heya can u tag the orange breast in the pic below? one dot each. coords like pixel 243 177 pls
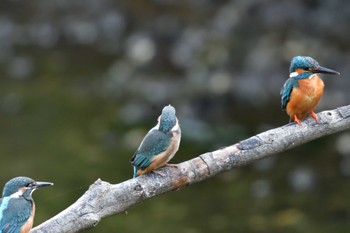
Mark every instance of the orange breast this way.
pixel 305 98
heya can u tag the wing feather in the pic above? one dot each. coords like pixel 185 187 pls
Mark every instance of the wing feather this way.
pixel 14 213
pixel 154 143
pixel 286 91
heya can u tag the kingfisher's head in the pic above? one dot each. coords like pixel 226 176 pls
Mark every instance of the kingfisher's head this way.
pixel 303 67
pixel 22 186
pixel 168 119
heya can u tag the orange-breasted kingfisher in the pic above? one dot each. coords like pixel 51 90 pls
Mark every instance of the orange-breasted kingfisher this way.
pixel 301 93
pixel 17 206
pixel 159 145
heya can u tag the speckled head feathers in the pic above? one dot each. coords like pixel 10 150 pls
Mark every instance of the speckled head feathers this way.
pixel 12 186
pixel 168 119
pixel 303 62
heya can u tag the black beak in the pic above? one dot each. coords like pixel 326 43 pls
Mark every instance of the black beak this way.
pixel 40 184
pixel 325 70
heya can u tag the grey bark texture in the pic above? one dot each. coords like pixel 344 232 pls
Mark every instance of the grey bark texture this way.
pixel 103 199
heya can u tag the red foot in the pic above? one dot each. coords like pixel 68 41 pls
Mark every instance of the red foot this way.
pixel 170 165
pixel 296 119
pixel 314 116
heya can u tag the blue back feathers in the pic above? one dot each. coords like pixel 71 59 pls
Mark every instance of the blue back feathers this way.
pixel 154 143
pixel 287 90
pixel 14 213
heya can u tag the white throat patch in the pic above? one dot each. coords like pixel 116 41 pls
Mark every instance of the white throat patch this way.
pixel 18 193
pixel 293 74
pixel 311 76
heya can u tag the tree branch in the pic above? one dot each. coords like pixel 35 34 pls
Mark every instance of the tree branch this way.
pixel 103 199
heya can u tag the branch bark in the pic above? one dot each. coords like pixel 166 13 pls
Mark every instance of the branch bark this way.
pixel 103 199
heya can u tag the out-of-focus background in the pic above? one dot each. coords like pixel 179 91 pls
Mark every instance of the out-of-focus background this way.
pixel 82 81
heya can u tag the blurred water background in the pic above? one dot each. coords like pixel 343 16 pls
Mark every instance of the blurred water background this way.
pixel 82 81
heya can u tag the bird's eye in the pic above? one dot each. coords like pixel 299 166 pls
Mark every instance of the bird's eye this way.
pixel 30 185
pixel 307 68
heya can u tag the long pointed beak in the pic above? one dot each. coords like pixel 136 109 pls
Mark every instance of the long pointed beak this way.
pixel 325 70
pixel 40 184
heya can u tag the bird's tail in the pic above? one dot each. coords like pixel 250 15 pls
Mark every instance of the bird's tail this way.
pixel 135 172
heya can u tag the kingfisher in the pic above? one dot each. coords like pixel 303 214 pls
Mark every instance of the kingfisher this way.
pixel 159 145
pixel 301 93
pixel 17 206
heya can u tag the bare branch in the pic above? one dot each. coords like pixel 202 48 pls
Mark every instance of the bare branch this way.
pixel 104 199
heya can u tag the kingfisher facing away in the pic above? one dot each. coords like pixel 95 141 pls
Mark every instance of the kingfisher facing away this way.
pixel 159 145
pixel 302 91
pixel 17 206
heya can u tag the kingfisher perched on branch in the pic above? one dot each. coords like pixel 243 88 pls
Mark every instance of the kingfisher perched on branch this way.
pixel 159 145
pixel 17 206
pixel 302 91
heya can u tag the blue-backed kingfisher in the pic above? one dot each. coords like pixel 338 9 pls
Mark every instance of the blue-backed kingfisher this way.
pixel 17 206
pixel 159 145
pixel 301 93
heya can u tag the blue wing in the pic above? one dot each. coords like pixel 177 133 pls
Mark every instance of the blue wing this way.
pixel 14 213
pixel 154 143
pixel 286 91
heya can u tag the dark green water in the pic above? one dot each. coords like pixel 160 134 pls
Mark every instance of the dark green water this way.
pixel 83 81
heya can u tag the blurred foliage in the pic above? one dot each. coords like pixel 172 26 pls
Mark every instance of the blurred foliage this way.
pixel 83 81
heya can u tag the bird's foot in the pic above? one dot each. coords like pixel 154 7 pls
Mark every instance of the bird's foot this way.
pixel 170 165
pixel 162 174
pixel 313 114
pixel 296 119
